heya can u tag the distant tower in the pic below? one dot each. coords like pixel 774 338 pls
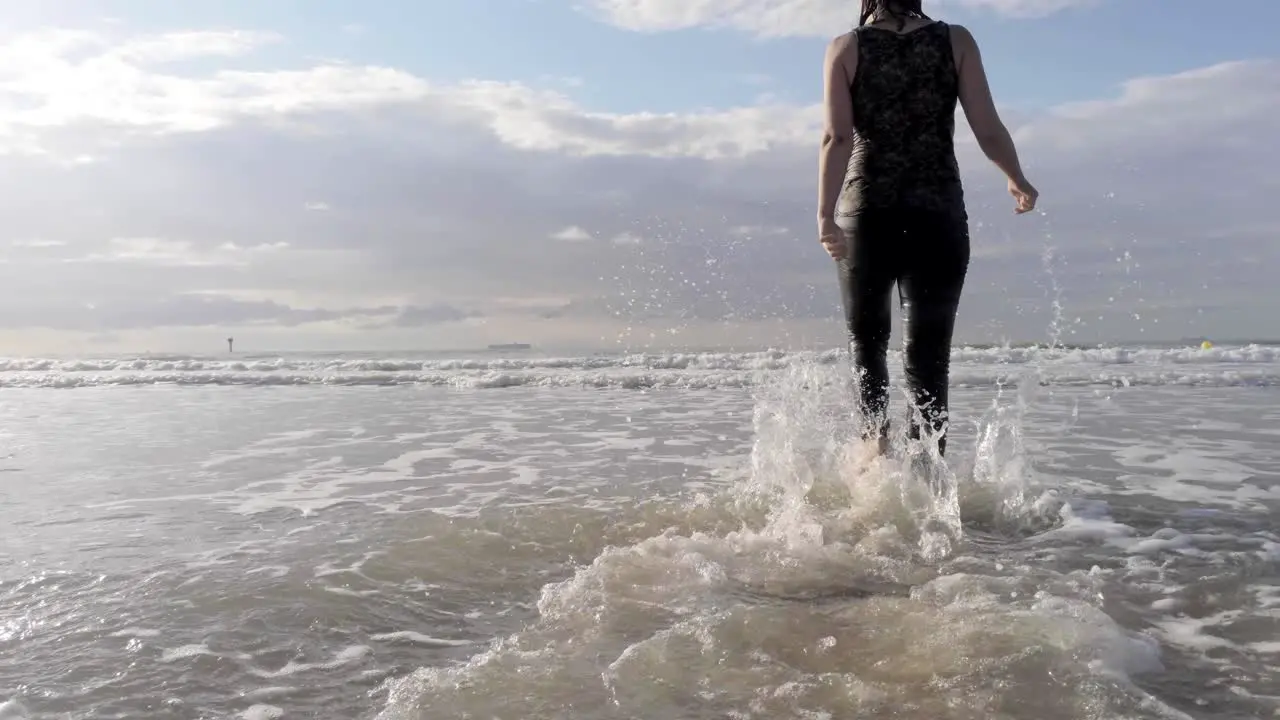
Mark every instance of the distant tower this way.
pixel 231 344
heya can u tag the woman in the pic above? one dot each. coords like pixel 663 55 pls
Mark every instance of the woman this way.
pixel 890 203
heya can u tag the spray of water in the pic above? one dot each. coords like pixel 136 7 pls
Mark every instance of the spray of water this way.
pixel 824 580
pixel 999 498
pixel 828 485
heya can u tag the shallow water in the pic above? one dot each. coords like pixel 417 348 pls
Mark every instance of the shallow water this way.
pixel 1102 543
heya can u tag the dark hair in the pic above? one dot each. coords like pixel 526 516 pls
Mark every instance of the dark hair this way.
pixel 902 9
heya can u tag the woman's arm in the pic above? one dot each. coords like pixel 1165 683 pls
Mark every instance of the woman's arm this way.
pixel 837 134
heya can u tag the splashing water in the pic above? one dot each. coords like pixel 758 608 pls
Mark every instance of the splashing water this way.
pixel 998 498
pixel 828 486
pixel 823 582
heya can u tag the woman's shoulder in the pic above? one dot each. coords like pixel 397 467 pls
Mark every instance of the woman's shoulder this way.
pixel 845 38
pixel 960 32
pixel 842 44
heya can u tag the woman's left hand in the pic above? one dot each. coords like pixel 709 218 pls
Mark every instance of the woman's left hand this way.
pixel 832 238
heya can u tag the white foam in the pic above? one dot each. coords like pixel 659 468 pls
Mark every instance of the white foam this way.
pixel 269 693
pixel 1162 541
pixel 1268 597
pixel 346 656
pixel 420 639
pixel 262 712
pixel 1250 365
pixel 1190 632
pixel 136 632
pixel 352 593
pixel 1088 520
pixel 184 652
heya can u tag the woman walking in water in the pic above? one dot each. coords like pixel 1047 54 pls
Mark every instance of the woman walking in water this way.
pixel 890 203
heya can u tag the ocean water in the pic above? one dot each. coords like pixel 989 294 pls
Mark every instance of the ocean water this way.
pixel 662 536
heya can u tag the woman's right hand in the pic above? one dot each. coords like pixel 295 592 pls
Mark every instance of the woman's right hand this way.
pixel 1024 193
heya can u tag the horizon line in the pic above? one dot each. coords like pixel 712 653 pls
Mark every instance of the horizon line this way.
pixel 534 349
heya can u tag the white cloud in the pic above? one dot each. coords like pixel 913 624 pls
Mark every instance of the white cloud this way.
pixel 573 233
pixel 53 86
pixel 148 249
pixel 60 79
pixel 160 251
pixel 778 18
pixel 456 201
pixel 261 248
pixel 36 243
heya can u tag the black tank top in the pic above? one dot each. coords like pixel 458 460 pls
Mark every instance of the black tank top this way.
pixel 904 109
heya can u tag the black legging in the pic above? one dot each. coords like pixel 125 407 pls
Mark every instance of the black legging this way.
pixel 927 256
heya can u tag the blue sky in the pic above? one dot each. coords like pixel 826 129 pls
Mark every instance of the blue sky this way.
pixel 1075 54
pixel 439 174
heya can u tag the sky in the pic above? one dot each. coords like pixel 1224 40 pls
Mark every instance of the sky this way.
pixel 598 174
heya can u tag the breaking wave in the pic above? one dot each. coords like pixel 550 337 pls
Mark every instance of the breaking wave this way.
pixel 1249 365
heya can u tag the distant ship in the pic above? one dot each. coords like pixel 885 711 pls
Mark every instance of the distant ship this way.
pixel 510 346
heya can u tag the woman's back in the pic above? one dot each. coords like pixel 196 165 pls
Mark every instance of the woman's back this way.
pixel 904 90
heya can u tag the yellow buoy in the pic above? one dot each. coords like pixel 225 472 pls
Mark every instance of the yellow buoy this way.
pixel 1206 345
